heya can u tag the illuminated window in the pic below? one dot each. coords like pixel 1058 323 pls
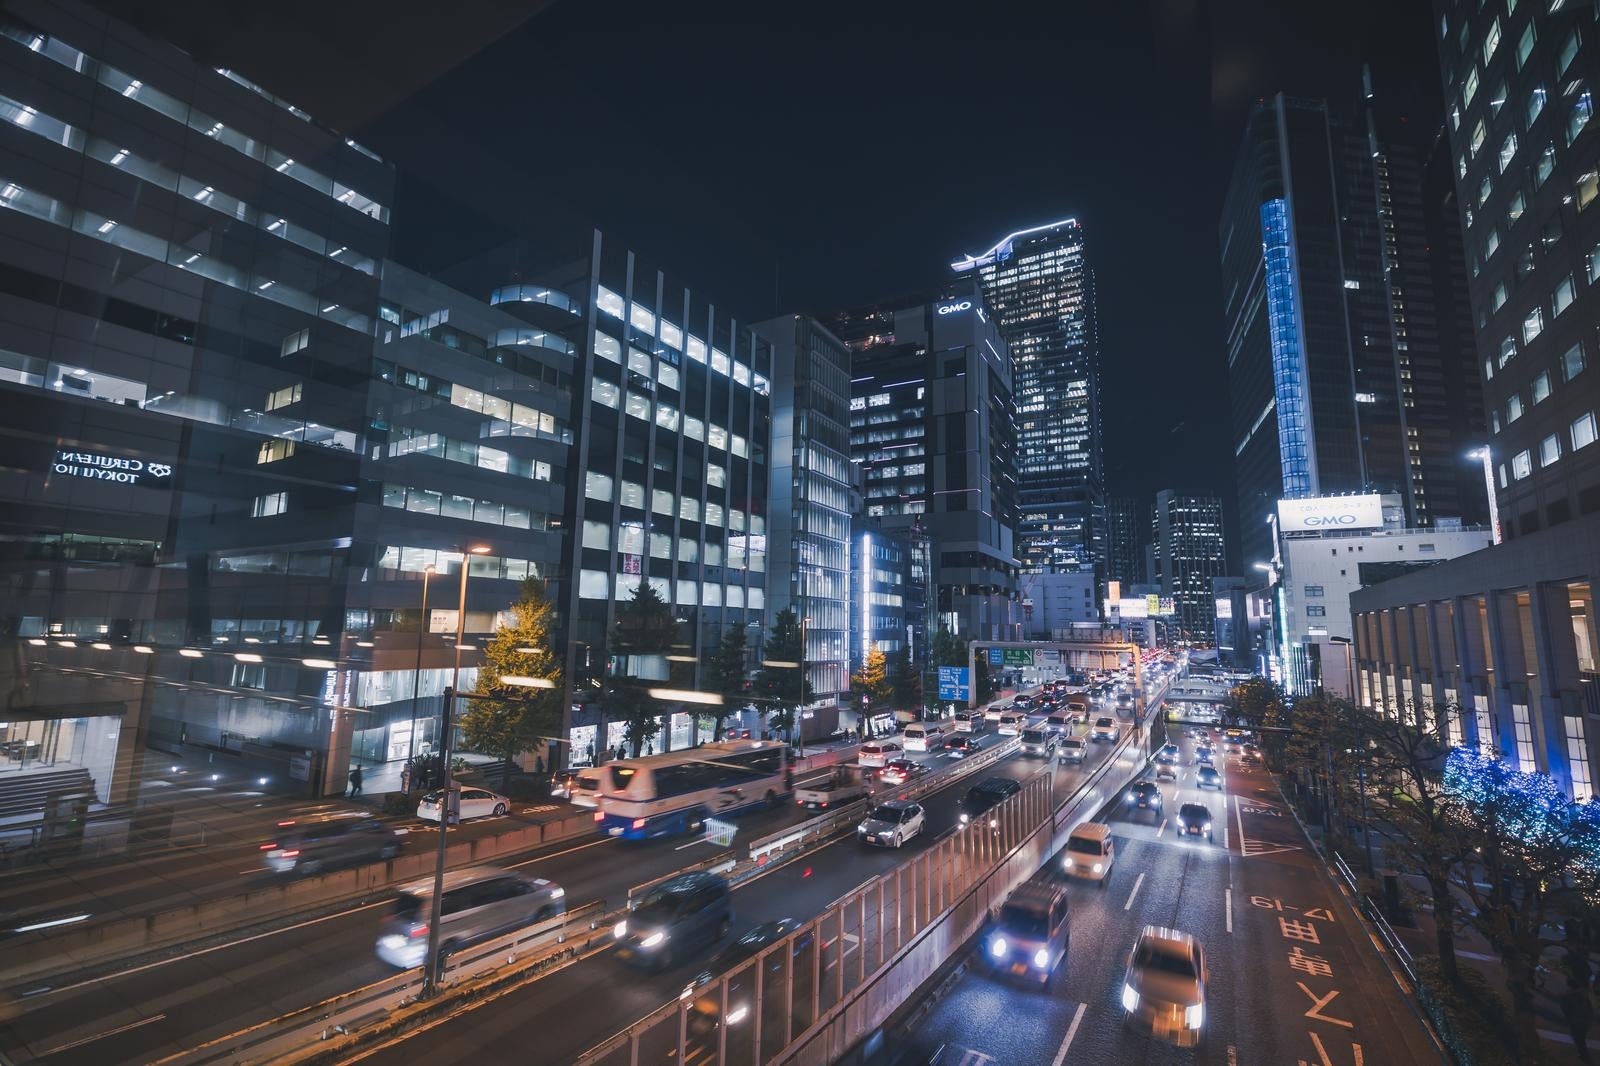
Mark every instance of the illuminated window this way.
pixel 1583 431
pixel 274 503
pixel 1522 464
pixel 1541 386
pixel 1536 100
pixel 1549 450
pixel 1532 325
pixel 1525 45
pixel 1578 758
pixel 1508 151
pixel 1566 292
pixel 284 397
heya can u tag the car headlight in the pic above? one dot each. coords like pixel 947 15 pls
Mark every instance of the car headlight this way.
pixel 557 892
pixel 994 823
pixel 1206 827
pixel 1041 958
pixel 653 940
pixel 997 947
pixel 1181 825
pixel 1195 1016
pixel 861 828
pixel 1097 867
pixel 1130 797
pixel 619 930
pixel 964 818
pixel 1067 863
pixel 1130 998
pixel 738 1014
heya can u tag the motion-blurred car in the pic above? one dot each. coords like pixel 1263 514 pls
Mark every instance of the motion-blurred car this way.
pixel 1164 990
pixel 891 824
pixel 1194 820
pixel 959 747
pixel 478 903
pixel 323 841
pixel 984 796
pixel 705 1015
pixel 1029 935
pixel 681 913
pixel 899 771
pixel 1166 772
pixel 475 803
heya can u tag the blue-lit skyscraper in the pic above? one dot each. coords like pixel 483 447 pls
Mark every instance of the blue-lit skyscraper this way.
pixel 1039 285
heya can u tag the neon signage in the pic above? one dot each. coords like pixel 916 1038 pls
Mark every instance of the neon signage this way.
pixel 98 466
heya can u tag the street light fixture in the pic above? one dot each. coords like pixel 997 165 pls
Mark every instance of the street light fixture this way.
pixel 430 983
pixel 1486 457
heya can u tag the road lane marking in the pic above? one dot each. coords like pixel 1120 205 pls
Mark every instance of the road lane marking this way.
pixel 101 1036
pixel 558 854
pixel 1163 828
pixel 1225 836
pixel 1137 882
pixel 1244 843
pixel 1072 1031
pixel 1227 906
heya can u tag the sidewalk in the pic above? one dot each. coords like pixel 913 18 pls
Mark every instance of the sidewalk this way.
pixel 1472 950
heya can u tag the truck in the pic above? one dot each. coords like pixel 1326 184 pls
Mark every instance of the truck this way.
pixel 844 786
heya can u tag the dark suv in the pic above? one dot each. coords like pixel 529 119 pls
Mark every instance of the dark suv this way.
pixel 323 841
pixel 680 914
pixel 1145 796
pixel 1194 819
pixel 985 795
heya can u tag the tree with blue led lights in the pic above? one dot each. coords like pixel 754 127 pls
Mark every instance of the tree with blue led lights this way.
pixel 1537 859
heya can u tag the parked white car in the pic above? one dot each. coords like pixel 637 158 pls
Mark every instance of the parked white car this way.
pixel 475 803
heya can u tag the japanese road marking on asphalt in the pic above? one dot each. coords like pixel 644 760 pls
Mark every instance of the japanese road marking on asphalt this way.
pixel 970 1057
pixel 1315 1013
pixel 1244 842
pixel 1072 1031
pixel 1322 1053
pixel 1227 907
pixel 1137 882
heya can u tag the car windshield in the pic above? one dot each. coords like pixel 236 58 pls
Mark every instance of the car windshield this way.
pixel 406 906
pixel 1084 846
pixel 660 905
pixel 886 813
pixel 1159 960
pixel 1191 810
pixel 1033 735
pixel 1144 788
pixel 1024 921
pixel 1102 722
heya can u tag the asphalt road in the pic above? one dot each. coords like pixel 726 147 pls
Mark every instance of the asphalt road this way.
pixel 1291 979
pixel 601 995
pixel 156 1009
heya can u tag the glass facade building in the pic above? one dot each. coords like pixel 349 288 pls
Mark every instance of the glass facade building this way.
pixel 1344 319
pixel 1127 533
pixel 809 528
pixel 1040 286
pixel 1186 535
pixel 1525 159
pixel 933 441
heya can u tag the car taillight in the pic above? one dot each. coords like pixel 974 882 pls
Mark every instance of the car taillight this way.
pixel 599 817
pixel 291 854
pixel 268 847
pixel 288 823
pixel 419 931
pixel 638 823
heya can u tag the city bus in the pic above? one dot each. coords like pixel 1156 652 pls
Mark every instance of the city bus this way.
pixel 678 791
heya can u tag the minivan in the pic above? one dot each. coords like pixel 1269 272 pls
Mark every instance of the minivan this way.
pixel 925 736
pixel 970 722
pixel 683 912
pixel 477 904
pixel 1072 749
pixel 1011 723
pixel 1090 852
pixel 1059 722
pixel 1029 934
pixel 1037 740
pixel 337 838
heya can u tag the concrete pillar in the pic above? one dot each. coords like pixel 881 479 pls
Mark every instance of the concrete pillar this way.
pixel 339 727
pixel 1504 654
pixel 1556 670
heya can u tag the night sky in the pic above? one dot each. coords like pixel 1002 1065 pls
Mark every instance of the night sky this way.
pixel 811 157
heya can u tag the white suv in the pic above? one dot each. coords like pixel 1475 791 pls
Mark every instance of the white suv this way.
pixel 879 752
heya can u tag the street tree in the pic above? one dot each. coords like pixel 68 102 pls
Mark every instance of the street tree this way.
pixel 784 687
pixel 726 676
pixel 644 629
pixel 1537 859
pixel 520 648
pixel 905 686
pixel 871 683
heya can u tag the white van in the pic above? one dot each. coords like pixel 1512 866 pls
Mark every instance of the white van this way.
pixel 1011 723
pixel 924 736
pixel 971 722
pixel 1071 749
pixel 993 712
pixel 1090 852
pixel 1059 722
pixel 878 752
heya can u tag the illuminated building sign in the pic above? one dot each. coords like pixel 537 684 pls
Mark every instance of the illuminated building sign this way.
pixel 953 308
pixel 1320 513
pixel 97 466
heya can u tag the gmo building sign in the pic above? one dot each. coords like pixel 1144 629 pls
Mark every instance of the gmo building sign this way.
pixel 1319 514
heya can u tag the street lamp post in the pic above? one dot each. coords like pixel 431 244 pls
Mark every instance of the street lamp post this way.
pixel 433 966
pixel 416 681
pixel 1486 457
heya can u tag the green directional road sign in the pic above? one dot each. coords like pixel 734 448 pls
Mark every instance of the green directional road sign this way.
pixel 1019 657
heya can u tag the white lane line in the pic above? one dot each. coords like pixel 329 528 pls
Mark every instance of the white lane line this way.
pixel 1137 882
pixel 1227 906
pixel 1224 836
pixel 558 854
pixel 102 1036
pixel 1072 1031
pixel 1238 816
pixel 1163 829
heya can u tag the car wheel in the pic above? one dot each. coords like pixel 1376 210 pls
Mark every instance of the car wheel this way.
pixel 499 808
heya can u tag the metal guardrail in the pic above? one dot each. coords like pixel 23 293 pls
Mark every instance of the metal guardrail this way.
pixel 1374 914
pixel 532 947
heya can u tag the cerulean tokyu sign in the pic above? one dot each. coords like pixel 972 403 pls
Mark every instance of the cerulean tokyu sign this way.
pixel 101 466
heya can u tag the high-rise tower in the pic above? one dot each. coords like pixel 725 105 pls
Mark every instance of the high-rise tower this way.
pixel 1039 286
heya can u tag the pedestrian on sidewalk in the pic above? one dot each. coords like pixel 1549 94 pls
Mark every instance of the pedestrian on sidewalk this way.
pixel 355 782
pixel 1579 1011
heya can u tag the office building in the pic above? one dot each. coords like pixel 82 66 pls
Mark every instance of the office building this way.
pixel 809 530
pixel 1499 645
pixel 1127 535
pixel 1243 626
pixel 1186 537
pixel 891 593
pixel 1526 164
pixel 1331 547
pixel 1040 287
pixel 189 283
pixel 931 431
pixel 1342 325
pixel 1054 602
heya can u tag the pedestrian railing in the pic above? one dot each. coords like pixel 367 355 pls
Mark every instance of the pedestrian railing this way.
pixel 1374 914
